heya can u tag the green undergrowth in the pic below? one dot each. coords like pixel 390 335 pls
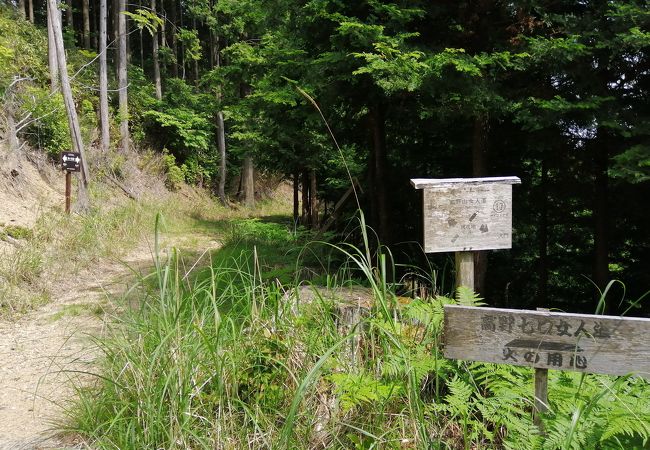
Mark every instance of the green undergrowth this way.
pixel 231 358
pixel 58 246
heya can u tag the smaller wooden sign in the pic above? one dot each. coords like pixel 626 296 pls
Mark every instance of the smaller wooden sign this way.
pixel 548 340
pixel 467 214
pixel 71 161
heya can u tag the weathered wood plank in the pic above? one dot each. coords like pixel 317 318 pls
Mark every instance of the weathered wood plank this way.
pixel 424 183
pixel 465 269
pixel 549 340
pixel 468 217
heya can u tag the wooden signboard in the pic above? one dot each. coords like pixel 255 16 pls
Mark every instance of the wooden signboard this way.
pixel 467 214
pixel 548 340
pixel 71 161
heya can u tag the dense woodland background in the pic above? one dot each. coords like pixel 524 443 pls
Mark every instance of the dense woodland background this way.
pixel 555 92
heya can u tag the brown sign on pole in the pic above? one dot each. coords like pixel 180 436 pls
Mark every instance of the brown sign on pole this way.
pixel 467 214
pixel 71 161
pixel 548 340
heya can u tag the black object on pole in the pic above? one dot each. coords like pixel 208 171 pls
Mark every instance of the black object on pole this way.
pixel 70 162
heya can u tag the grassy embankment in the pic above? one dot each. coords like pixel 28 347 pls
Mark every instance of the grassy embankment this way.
pixel 226 357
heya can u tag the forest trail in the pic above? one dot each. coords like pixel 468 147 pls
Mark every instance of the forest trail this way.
pixel 48 351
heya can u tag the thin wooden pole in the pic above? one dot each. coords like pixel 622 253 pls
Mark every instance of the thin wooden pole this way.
pixel 68 191
pixel 541 393
pixel 465 269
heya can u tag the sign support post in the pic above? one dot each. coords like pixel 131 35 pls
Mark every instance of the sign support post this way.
pixel 68 189
pixel 70 162
pixel 465 269
pixel 541 393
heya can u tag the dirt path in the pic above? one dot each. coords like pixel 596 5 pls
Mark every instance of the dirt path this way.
pixel 40 352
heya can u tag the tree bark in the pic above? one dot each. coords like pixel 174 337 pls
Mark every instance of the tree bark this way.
pixel 601 188
pixel 182 59
pixel 141 41
pixel 73 122
pixel 51 50
pixel 85 10
pixel 221 139
pixel 305 220
pixel 249 181
pixel 69 15
pixel 479 169
pixel 21 9
pixel 296 200
pixel 12 134
pixel 313 199
pixel 172 13
pixel 122 78
pixel 196 61
pixel 156 63
pixel 379 175
pixel 221 145
pixel 30 8
pixel 103 78
pixel 542 291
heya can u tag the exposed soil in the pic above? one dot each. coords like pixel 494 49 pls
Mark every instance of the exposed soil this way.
pixel 47 352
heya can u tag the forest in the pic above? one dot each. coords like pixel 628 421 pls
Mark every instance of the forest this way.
pixel 552 92
pixel 343 103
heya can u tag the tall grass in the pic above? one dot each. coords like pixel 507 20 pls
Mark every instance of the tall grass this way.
pixel 231 359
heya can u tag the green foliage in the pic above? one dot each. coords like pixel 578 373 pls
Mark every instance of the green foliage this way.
pixel 174 173
pixel 190 38
pixel 145 19
pixel 233 352
pixel 16 232
pixel 48 129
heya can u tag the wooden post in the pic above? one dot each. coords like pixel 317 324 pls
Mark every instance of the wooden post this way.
pixel 541 393
pixel 68 189
pixel 541 397
pixel 465 269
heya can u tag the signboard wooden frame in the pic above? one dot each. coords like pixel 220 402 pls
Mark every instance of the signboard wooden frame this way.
pixel 467 214
pixel 548 340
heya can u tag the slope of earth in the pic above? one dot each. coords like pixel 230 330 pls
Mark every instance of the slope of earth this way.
pixel 48 351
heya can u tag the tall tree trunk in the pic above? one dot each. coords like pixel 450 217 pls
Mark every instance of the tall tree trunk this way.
pixel 69 15
pixel 196 61
pixel 378 133
pixel 30 8
pixel 182 61
pixel 103 78
pixel 296 200
pixel 172 13
pixel 221 145
pixel 479 169
pixel 221 140
pixel 313 199
pixel 51 50
pixel 249 181
pixel 12 134
pixel 305 220
pixel 21 9
pixel 601 192
pixel 73 122
pixel 85 10
pixel 542 291
pixel 156 63
pixel 116 36
pixel 95 29
pixel 163 26
pixel 141 41
pixel 122 78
